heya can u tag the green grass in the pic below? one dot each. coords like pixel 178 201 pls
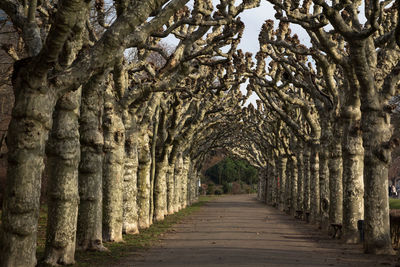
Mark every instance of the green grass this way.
pixel 131 244
pixel 394 203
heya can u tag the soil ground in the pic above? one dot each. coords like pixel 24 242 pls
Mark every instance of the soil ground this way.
pixel 237 230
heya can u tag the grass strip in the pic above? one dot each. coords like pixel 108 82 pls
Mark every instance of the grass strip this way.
pixel 394 203
pixel 132 243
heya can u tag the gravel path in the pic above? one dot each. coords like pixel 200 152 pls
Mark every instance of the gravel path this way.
pixel 238 230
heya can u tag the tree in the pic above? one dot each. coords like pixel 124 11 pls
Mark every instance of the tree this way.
pixel 67 58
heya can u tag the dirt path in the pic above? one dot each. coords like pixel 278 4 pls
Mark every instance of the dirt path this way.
pixel 240 231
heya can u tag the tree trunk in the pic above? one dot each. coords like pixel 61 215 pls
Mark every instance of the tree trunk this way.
pixel 275 183
pixel 63 152
pixel 170 187
pixel 192 174
pixel 324 184
pixel 130 211
pixel 260 188
pixel 288 188
pixel 178 183
pixel 353 186
pixel 184 177
pixel 335 177
pixel 113 172
pixel 266 184
pixel 26 138
pixel 377 133
pixel 300 180
pixel 90 216
pixel 314 184
pixel 153 163
pixel 282 161
pixel 294 184
pixel 143 199
pixel 270 182
pixel 306 178
pixel 159 188
pixel 193 187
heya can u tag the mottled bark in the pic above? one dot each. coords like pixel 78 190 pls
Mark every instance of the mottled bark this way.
pixel 275 183
pixel 32 114
pixel 294 184
pixel 27 134
pixel 170 187
pixel 282 161
pixel 300 179
pixel 178 183
pixel 335 177
pixel 306 178
pixel 153 163
pixel 89 229
pixel 184 177
pixel 113 171
pixel 353 186
pixel 63 160
pixel 194 180
pixel 270 183
pixel 143 199
pixel 324 182
pixel 163 150
pixel 130 211
pixel 63 153
pixel 160 188
pixel 266 190
pixel 288 187
pixel 26 139
pixel 377 85
pixel 260 188
pixel 191 181
pixel 376 135
pixel 314 184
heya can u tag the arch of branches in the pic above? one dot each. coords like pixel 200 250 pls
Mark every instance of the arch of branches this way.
pixel 125 121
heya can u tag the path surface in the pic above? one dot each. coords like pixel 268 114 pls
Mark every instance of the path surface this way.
pixel 240 231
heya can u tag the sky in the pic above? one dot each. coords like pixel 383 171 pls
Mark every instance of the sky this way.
pixel 253 20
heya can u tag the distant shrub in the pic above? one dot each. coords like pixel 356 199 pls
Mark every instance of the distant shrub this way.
pixel 236 188
pixel 210 189
pixel 218 191
pixel 227 187
pixel 230 170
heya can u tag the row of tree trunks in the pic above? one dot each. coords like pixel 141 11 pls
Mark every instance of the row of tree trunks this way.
pixel 116 180
pixel 369 80
pixel 316 182
pixel 114 175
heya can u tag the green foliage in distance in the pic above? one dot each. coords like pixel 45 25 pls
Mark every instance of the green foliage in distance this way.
pixel 232 170
pixel 394 203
